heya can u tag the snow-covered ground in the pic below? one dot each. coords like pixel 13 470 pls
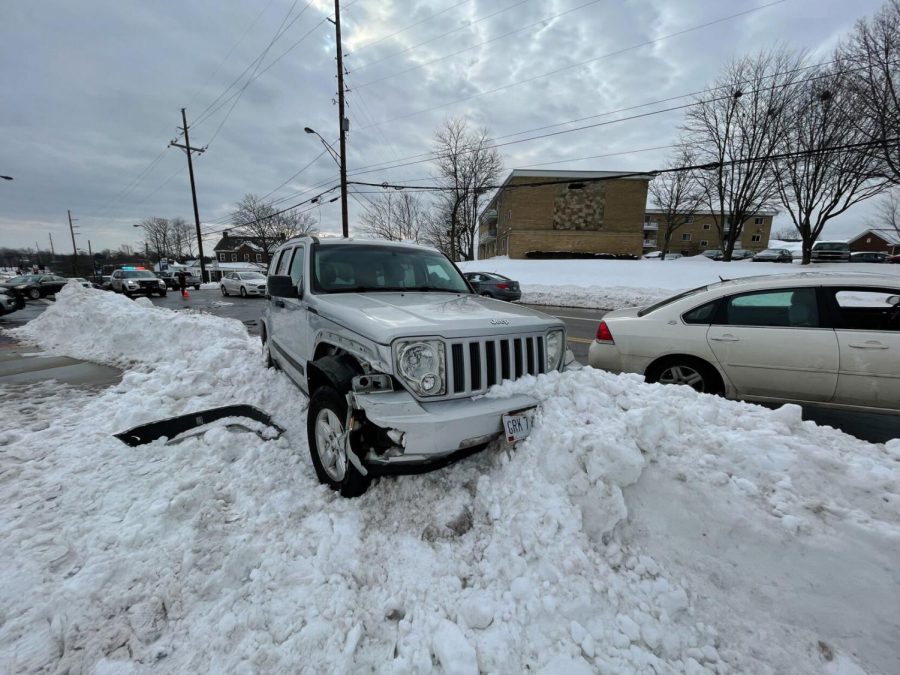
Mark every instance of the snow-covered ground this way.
pixel 611 284
pixel 639 529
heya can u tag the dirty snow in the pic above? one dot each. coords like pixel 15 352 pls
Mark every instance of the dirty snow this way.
pixel 639 529
pixel 611 284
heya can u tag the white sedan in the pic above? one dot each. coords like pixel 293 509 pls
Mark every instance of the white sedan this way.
pixel 243 283
pixel 828 338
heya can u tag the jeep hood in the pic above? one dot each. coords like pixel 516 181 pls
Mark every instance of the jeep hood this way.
pixel 384 317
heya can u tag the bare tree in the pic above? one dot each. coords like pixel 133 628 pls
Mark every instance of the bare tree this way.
pixel 266 225
pixel 817 182
pixel 736 131
pixel 677 194
pixel 787 234
pixel 157 236
pixel 887 214
pixel 467 165
pixel 183 238
pixel 871 57
pixel 395 217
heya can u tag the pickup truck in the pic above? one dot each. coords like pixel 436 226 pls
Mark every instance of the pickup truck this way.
pixel 396 352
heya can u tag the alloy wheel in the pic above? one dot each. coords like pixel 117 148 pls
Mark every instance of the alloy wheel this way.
pixel 682 374
pixel 330 444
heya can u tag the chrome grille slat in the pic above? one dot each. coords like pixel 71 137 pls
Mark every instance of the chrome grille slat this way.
pixel 477 364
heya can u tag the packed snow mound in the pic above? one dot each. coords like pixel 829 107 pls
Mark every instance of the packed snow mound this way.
pixel 591 297
pixel 222 553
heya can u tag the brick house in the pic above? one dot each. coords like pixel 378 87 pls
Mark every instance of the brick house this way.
pixel 576 214
pixel 878 239
pixel 700 233
pixel 237 248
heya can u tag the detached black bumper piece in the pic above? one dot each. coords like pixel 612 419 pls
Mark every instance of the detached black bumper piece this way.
pixel 172 427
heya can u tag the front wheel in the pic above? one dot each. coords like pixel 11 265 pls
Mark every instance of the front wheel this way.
pixel 328 444
pixel 34 293
pixel 696 374
pixel 162 294
pixel 224 292
pixel 196 287
pixel 243 292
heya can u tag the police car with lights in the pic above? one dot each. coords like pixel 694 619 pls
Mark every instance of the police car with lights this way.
pixel 136 280
pixel 396 352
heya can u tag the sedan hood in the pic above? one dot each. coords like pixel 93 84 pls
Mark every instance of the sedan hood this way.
pixel 384 317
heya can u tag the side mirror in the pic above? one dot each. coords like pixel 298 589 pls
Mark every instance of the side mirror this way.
pixel 893 300
pixel 281 286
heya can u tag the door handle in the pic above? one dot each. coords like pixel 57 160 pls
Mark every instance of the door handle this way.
pixel 726 338
pixel 871 344
pixel 279 303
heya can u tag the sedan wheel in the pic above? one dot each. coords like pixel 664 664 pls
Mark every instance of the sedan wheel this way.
pixel 682 375
pixel 224 291
pixel 243 292
pixel 694 373
pixel 34 293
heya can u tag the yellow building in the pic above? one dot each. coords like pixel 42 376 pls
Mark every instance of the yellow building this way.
pixel 700 233
pixel 576 212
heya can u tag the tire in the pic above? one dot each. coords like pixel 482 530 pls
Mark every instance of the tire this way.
pixel 325 421
pixel 128 295
pixel 485 294
pixel 684 370
pixel 243 292
pixel 197 287
pixel 224 292
pixel 268 361
pixel 34 293
pixel 162 294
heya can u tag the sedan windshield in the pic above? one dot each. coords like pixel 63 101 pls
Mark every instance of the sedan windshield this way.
pixel 251 275
pixel 350 268
pixel 25 279
pixel 137 274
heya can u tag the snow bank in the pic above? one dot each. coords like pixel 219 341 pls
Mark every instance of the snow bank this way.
pixel 222 553
pixel 611 284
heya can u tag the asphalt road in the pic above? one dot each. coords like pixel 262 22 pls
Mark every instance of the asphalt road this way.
pixel 581 326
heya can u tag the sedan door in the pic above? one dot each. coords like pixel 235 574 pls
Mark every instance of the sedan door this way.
pixel 771 344
pixel 867 326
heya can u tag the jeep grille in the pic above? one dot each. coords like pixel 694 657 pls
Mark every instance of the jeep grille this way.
pixel 477 364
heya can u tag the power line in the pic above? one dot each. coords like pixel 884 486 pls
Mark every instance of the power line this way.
pixel 406 28
pixel 594 59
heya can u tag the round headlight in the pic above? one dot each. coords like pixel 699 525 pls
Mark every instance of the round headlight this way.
pixel 555 349
pixel 420 364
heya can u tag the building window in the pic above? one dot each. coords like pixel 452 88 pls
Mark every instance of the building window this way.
pixel 259 257
pixel 221 257
pixel 755 238
pixel 234 257
pixel 246 257
pixel 686 236
pixel 868 240
pixel 758 220
pixel 646 219
pixel 706 226
pixel 689 220
pixel 704 242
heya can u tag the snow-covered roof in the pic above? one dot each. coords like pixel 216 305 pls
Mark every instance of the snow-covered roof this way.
pixel 890 235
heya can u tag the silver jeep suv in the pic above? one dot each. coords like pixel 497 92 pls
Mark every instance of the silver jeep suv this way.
pixel 395 350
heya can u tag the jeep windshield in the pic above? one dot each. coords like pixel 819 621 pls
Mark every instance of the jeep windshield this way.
pixel 362 268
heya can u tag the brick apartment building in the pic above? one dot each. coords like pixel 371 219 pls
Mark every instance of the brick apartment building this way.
pixel 576 214
pixel 700 232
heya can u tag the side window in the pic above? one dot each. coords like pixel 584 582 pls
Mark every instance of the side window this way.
pixel 781 308
pixel 285 262
pixel 297 265
pixel 702 314
pixel 867 308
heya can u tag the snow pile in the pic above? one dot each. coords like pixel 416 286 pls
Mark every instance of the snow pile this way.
pixel 583 550
pixel 611 284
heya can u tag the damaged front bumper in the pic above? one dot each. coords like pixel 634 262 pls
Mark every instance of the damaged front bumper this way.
pixel 427 434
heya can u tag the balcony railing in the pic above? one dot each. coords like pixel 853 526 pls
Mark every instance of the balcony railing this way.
pixel 649 242
pixel 651 227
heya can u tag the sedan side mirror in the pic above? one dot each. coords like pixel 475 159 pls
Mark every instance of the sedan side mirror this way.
pixel 281 286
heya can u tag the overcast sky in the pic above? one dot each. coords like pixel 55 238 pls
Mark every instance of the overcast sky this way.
pixel 92 92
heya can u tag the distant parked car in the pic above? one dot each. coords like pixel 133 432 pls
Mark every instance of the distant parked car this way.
pixel 893 259
pixel 169 278
pixel 814 337
pixel 778 255
pixel 741 254
pixel 133 280
pixel 830 251
pixel 868 257
pixel 654 255
pixel 243 283
pixel 10 302
pixel 34 286
pixel 712 254
pixel 492 285
pixel 87 284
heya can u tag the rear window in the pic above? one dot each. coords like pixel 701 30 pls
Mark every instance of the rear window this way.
pixel 668 301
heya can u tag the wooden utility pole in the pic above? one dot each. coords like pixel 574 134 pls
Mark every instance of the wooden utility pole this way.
pixel 344 122
pixel 74 250
pixel 91 257
pixel 188 150
pixel 52 250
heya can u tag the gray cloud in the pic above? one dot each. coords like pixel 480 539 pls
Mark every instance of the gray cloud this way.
pixel 92 92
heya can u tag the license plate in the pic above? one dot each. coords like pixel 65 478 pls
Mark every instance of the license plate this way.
pixel 516 426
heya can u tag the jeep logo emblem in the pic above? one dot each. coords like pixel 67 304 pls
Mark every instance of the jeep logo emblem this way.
pixel 499 322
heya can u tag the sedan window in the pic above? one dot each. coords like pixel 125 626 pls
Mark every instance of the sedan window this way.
pixel 867 309
pixel 796 308
pixel 702 314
